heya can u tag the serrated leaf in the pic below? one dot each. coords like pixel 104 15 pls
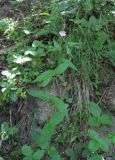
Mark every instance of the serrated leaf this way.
pixel 26 151
pixel 38 155
pixel 94 109
pixel 93 121
pixel 106 119
pixel 104 145
pixel 93 145
pixel 93 134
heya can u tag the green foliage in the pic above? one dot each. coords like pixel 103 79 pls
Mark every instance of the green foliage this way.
pixel 97 118
pixel 29 155
pixel 43 139
pixel 96 142
pixel 96 157
pixel 47 76
pixel 41 55
pixel 6 131
pixel 3 25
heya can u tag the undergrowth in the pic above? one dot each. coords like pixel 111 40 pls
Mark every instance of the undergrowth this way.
pixel 65 41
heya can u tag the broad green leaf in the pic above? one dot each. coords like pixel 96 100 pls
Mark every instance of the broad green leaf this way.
pixel 5 127
pixel 57 46
pixel 1 158
pixel 56 118
pixel 71 153
pixel 46 135
pixel 61 68
pixel 13 130
pixel 93 145
pixel 106 119
pixel 88 5
pixel 45 77
pixel 104 145
pixel 48 130
pixel 35 138
pixel 54 154
pixel 26 151
pixel 93 121
pixel 39 94
pixel 96 157
pixel 36 44
pixel 60 105
pixel 93 134
pixel 111 137
pixel 94 109
pixel 38 155
pixel 70 64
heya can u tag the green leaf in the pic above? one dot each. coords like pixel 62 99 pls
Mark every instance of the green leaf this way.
pixel 39 94
pixel 36 44
pixel 96 157
pixel 13 130
pixel 88 5
pixel 5 127
pixel 94 109
pixel 93 134
pixel 35 138
pixel 45 77
pixel 3 25
pixel 104 144
pixel 46 135
pixel 26 151
pixel 54 154
pixel 93 145
pixel 70 153
pixel 38 155
pixel 61 68
pixel 111 137
pixel 106 119
pixel 60 105
pixel 48 130
pixel 92 121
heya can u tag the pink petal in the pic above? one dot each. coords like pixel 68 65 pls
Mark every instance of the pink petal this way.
pixel 62 33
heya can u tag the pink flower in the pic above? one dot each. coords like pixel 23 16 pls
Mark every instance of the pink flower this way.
pixel 62 33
